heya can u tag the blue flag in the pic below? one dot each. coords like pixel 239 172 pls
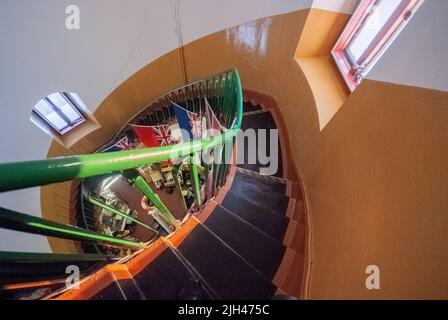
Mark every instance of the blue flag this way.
pixel 190 123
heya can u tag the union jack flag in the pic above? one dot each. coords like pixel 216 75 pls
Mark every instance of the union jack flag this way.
pixel 163 135
pixel 195 124
pixel 121 145
pixel 154 136
pixel 190 123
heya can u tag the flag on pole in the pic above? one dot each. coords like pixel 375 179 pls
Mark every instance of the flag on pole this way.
pixel 176 133
pixel 121 145
pixel 213 126
pixel 154 136
pixel 189 122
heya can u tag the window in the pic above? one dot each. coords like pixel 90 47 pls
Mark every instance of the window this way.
pixel 372 28
pixel 59 111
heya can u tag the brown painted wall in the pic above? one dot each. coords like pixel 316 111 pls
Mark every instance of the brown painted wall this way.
pixel 378 195
pixel 376 175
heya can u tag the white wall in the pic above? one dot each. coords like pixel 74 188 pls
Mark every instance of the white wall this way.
pixel 39 56
pixel 418 57
pixel 345 6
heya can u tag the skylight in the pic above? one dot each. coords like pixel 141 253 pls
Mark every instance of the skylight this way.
pixel 371 30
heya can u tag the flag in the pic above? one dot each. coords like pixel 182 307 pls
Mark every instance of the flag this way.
pixel 121 145
pixel 213 126
pixel 189 122
pixel 176 134
pixel 154 136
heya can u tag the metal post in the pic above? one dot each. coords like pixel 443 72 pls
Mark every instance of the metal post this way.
pixel 14 220
pixel 167 220
pixel 176 169
pixel 104 206
pixel 195 180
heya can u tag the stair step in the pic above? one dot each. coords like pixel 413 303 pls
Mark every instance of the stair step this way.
pixel 266 220
pixel 263 120
pixel 258 248
pixel 295 237
pixel 167 278
pixel 289 277
pixel 267 183
pixel 111 292
pixel 249 107
pixel 256 192
pixel 120 290
pixel 230 276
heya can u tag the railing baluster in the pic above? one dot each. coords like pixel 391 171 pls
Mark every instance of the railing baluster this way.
pixel 14 220
pixel 104 206
pixel 166 219
pixel 195 180
pixel 176 169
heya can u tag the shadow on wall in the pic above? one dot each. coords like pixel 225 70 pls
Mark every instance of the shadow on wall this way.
pixel 313 54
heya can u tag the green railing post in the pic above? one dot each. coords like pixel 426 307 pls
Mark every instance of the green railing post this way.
pixel 11 256
pixel 166 219
pixel 14 220
pixel 176 169
pixel 195 180
pixel 217 154
pixel 104 206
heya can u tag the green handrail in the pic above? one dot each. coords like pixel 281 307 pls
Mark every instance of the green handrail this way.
pixel 225 88
pixel 12 256
pixel 19 175
pixel 14 220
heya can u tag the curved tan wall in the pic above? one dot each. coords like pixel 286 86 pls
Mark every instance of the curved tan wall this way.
pixel 376 176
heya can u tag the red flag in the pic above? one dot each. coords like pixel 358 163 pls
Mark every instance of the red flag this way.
pixel 154 136
pixel 213 125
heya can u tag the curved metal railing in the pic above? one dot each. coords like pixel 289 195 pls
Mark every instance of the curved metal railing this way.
pixel 224 94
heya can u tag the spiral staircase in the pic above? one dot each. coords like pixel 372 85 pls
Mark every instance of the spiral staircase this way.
pixel 245 241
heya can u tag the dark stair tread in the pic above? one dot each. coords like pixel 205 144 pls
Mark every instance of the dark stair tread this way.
pixel 254 192
pixel 249 107
pixel 131 290
pixel 166 278
pixel 259 120
pixel 230 276
pixel 262 120
pixel 268 183
pixel 263 218
pixel 111 292
pixel 258 248
pixel 125 289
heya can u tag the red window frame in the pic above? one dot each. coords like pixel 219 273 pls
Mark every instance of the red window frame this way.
pixel 354 71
